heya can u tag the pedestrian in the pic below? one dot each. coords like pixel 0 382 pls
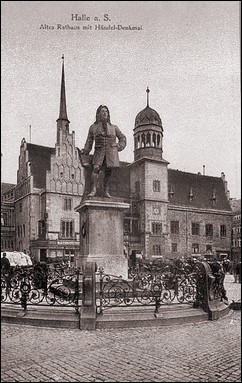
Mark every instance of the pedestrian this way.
pixel 238 273
pixel 5 264
pixel 226 265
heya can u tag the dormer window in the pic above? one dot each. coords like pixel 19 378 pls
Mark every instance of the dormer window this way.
pixel 191 194
pixel 171 192
pixel 214 196
pixel 137 187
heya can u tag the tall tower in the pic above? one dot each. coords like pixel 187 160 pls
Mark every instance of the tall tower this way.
pixel 148 133
pixel 62 121
pixel 149 181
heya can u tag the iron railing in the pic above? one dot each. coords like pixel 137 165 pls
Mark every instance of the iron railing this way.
pixel 163 284
pixel 52 285
pixel 170 282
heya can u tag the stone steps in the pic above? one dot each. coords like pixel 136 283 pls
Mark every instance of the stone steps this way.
pixel 116 317
pixel 145 316
pixel 41 316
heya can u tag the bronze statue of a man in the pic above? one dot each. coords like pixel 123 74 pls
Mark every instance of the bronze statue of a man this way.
pixel 106 148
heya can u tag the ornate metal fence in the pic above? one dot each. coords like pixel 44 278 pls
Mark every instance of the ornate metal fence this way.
pixel 163 284
pixel 197 284
pixel 157 285
pixel 41 284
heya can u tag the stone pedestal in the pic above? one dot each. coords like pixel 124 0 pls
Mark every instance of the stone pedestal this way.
pixel 101 234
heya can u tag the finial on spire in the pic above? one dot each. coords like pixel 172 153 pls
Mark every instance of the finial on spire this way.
pixel 147 91
pixel 63 112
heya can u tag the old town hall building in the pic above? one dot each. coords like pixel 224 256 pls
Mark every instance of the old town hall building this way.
pixel 172 213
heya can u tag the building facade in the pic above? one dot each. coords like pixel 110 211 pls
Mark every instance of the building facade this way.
pixel 172 213
pixel 7 217
pixel 236 231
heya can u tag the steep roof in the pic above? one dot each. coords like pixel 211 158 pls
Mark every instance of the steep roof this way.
pixel 6 186
pixel 39 157
pixel 203 188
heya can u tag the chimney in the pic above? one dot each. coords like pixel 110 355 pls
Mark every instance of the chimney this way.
pixel 223 176
pixel 204 170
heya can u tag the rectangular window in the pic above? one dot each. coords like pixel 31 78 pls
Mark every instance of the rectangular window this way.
pixel 156 186
pixel 127 226
pixel 41 229
pixel 222 231
pixel 195 228
pixel 209 230
pixel 195 248
pixel 137 187
pixel 156 227
pixel 67 203
pixel 135 208
pixel 174 247
pixel 156 250
pixel 5 219
pixel 20 207
pixel 174 227
pixel 239 242
pixel 135 227
pixel 67 229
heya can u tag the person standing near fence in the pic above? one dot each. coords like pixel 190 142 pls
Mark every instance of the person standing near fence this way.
pixel 5 264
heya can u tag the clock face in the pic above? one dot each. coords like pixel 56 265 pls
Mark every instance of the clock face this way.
pixel 156 210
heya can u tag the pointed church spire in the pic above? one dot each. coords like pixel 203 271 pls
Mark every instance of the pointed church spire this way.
pixel 147 91
pixel 62 121
pixel 63 113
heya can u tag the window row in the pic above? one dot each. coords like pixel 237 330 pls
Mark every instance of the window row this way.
pixel 7 218
pixel 236 230
pixel 156 186
pixel 7 245
pixel 131 226
pixel 21 231
pixel 67 229
pixel 209 230
pixel 195 248
pixel 146 140
pixel 236 243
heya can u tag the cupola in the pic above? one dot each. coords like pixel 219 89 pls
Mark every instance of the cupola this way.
pixel 148 133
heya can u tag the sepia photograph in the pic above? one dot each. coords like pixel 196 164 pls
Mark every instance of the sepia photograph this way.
pixel 120 191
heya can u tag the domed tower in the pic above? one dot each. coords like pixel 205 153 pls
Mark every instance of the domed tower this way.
pixel 149 186
pixel 148 134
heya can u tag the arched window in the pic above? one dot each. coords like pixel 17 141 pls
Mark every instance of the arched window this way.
pixel 158 140
pixel 138 141
pixel 154 139
pixel 143 140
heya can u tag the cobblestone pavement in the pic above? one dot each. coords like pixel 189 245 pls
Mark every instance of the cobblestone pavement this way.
pixel 199 352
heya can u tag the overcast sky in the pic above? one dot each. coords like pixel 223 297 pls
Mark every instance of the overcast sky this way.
pixel 187 52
